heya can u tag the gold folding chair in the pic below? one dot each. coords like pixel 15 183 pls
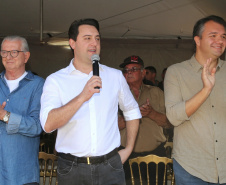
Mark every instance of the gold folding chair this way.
pixel 47 145
pixel 48 168
pixel 168 172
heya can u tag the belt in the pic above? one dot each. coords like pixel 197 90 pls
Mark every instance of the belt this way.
pixel 89 160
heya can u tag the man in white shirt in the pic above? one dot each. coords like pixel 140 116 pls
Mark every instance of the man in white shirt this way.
pixel 86 117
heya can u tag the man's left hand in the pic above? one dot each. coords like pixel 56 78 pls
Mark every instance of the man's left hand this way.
pixel 124 154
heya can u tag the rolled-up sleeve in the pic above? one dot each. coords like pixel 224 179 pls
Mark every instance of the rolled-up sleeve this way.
pixel 175 105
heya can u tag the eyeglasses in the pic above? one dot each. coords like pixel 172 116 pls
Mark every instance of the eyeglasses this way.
pixel 13 53
pixel 133 69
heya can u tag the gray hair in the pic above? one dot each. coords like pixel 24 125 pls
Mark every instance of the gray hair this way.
pixel 25 46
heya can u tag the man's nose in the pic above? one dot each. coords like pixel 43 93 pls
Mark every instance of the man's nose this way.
pixel 9 56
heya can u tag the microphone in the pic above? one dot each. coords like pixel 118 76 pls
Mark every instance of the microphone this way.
pixel 95 58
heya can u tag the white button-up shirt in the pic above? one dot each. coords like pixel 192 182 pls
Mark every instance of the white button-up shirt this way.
pixel 93 130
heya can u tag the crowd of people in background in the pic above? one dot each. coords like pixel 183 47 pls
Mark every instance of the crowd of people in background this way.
pixel 105 120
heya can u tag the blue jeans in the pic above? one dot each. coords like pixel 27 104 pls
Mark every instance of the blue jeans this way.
pixel 182 177
pixel 107 173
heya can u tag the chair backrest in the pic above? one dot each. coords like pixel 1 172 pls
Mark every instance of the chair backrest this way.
pixel 47 146
pixel 168 170
pixel 48 168
pixel 169 148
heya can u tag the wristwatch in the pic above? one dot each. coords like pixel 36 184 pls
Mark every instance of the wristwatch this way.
pixel 6 117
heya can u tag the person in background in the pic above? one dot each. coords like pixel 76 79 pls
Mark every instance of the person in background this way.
pixel 86 117
pixel 20 93
pixel 150 138
pixel 161 84
pixel 150 75
pixel 195 104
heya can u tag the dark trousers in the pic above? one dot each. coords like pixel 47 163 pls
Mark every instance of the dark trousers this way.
pixel 159 151
pixel 107 173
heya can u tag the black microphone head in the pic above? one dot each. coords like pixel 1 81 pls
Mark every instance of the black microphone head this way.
pixel 95 57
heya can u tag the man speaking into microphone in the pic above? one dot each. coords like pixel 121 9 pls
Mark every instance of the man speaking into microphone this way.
pixel 86 117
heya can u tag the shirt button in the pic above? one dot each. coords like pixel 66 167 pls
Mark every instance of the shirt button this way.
pixel 7 99
pixel 215 123
pixel 216 140
pixel 217 158
pixel 212 105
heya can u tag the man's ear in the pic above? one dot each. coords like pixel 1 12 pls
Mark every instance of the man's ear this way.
pixel 72 43
pixel 143 73
pixel 26 56
pixel 197 40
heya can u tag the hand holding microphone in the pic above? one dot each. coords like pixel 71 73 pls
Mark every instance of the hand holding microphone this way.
pixel 95 59
pixel 94 83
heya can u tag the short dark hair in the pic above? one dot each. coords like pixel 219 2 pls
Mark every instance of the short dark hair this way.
pixel 199 25
pixel 73 30
pixel 151 69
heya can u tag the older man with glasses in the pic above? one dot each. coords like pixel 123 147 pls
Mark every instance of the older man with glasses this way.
pixel 150 138
pixel 20 93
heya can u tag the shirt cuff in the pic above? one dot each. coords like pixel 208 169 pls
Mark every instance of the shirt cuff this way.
pixel 177 115
pixel 43 117
pixel 132 114
pixel 14 123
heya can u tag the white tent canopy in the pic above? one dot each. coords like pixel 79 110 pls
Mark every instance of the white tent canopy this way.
pixel 159 31
pixel 118 18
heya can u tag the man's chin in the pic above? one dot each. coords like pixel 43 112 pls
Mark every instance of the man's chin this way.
pixel 218 54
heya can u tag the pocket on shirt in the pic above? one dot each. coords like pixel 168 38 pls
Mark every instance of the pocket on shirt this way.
pixel 64 166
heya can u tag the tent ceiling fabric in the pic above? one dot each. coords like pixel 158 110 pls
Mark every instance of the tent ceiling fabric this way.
pixel 143 19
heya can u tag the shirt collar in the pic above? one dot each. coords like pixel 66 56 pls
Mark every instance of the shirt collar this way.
pixel 73 70
pixel 71 67
pixel 29 76
pixel 197 66
pixel 140 90
pixel 220 63
pixel 142 86
pixel 2 74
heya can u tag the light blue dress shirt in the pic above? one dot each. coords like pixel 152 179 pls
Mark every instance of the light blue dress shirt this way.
pixel 19 139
